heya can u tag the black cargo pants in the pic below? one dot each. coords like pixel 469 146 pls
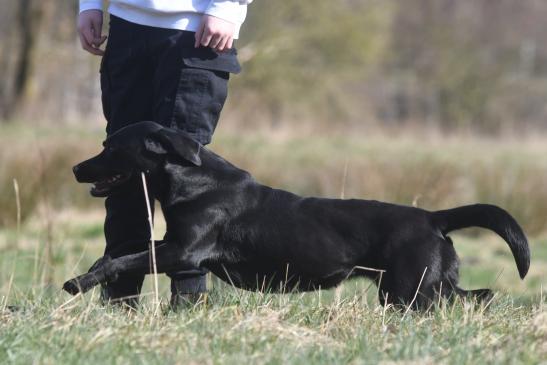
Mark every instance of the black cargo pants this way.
pixel 156 74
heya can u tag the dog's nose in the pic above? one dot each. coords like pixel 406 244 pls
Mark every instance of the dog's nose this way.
pixel 75 169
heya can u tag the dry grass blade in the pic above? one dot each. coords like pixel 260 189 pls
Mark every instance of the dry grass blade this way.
pixel 364 268
pixel 415 295
pixel 63 306
pixel 47 272
pixel 10 283
pixel 152 245
pixel 18 203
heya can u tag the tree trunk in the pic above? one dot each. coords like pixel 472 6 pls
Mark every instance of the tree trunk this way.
pixel 28 19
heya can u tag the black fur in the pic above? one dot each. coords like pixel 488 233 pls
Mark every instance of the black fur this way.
pixel 259 238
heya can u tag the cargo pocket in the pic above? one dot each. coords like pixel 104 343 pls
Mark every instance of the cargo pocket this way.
pixel 206 58
pixel 202 91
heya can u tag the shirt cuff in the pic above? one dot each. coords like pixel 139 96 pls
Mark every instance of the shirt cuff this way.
pixel 91 5
pixel 228 10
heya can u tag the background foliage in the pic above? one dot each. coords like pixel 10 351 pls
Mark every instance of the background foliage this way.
pixel 452 65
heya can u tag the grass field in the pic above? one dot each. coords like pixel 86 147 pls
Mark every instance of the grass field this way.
pixel 236 326
pixel 60 235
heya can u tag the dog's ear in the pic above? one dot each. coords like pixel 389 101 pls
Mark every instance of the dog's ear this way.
pixel 166 141
pixel 154 146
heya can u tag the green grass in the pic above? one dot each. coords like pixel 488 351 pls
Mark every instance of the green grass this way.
pixel 235 326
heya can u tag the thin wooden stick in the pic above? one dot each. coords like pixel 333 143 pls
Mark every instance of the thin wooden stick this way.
pixel 364 268
pixel 415 295
pixel 344 179
pixel 152 244
pixel 384 309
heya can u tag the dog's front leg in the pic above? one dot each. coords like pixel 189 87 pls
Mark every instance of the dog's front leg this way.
pixel 169 257
pixel 100 272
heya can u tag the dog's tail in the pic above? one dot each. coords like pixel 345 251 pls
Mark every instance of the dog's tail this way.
pixel 490 217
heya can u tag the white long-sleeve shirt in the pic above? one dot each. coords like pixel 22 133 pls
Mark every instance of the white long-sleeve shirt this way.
pixel 173 14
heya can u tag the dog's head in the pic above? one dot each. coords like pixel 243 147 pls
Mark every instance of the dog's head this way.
pixel 139 147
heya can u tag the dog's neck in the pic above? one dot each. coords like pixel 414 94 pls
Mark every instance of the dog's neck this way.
pixel 180 182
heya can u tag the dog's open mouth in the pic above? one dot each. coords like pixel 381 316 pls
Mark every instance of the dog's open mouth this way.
pixel 103 187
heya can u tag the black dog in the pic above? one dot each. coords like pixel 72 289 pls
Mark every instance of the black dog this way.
pixel 258 238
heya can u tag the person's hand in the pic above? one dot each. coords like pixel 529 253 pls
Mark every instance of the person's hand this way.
pixel 90 24
pixel 215 33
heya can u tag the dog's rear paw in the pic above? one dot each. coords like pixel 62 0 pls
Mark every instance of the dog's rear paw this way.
pixel 482 295
pixel 72 286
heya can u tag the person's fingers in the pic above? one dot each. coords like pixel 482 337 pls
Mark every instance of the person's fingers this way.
pixel 88 47
pixel 229 44
pixel 199 34
pixel 206 37
pixel 89 27
pixel 215 41
pixel 97 28
pixel 94 38
pixel 221 47
pixel 214 33
pixel 84 43
pixel 97 40
pixel 98 51
pixel 100 41
pixel 87 33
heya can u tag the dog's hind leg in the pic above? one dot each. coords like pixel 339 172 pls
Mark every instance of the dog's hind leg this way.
pixel 415 290
pixel 451 277
pixel 414 273
pixel 481 295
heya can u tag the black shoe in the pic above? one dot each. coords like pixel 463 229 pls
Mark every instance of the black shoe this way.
pixel 188 292
pixel 186 301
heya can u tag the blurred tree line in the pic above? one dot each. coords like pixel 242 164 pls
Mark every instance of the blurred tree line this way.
pixel 465 64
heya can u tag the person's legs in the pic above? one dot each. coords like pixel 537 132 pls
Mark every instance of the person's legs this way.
pixel 126 96
pixel 127 231
pixel 156 74
pixel 190 88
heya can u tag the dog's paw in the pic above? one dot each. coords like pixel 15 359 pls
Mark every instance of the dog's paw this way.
pixel 72 286
pixel 103 271
pixel 83 283
pixel 482 295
